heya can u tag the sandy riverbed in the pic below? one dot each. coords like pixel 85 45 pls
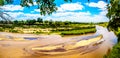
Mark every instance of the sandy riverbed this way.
pixel 16 48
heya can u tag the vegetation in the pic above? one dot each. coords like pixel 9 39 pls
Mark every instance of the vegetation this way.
pixel 114 24
pixel 115 52
pixel 114 14
pixel 78 32
pixel 39 26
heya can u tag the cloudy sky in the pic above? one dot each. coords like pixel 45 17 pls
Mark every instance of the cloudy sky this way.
pixel 77 10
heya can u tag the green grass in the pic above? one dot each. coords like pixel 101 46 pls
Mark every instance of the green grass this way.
pixel 78 32
pixel 13 31
pixel 1 29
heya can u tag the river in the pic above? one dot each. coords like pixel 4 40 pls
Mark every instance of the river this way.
pixel 17 49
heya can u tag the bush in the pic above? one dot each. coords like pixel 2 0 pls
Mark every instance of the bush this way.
pixel 13 31
pixel 38 32
pixel 1 29
pixel 78 32
pixel 115 52
pixel 118 36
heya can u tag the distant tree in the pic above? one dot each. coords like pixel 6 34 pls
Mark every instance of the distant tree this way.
pixel 67 22
pixel 1 21
pixel 40 20
pixel 50 21
pixel 46 22
pixel 15 22
pixel 57 23
pixel 31 22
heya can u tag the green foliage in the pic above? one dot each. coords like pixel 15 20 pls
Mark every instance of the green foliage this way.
pixel 15 22
pixel 38 32
pixel 31 22
pixel 45 6
pixel 1 29
pixel 118 37
pixel 114 14
pixel 40 20
pixel 1 2
pixel 78 32
pixel 13 31
pixel 115 52
pixel 7 26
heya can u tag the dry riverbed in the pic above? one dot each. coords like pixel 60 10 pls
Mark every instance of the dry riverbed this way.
pixel 16 48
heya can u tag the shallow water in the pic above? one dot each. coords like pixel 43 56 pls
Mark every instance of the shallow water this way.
pixel 30 38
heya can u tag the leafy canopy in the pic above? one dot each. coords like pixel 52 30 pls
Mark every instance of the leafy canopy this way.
pixel 114 14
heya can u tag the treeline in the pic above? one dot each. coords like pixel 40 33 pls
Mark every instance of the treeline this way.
pixel 39 22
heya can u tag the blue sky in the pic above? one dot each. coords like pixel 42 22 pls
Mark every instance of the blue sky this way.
pixel 77 10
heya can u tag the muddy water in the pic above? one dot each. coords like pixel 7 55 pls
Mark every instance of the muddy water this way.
pixel 16 49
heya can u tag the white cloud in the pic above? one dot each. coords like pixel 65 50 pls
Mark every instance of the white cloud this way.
pixel 23 16
pixel 14 14
pixel 60 14
pixel 70 7
pixel 37 10
pixel 101 4
pixel 78 17
pixel 64 16
pixel 67 7
pixel 64 13
pixel 34 3
pixel 12 7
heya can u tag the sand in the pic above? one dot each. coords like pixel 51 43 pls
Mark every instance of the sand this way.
pixel 16 48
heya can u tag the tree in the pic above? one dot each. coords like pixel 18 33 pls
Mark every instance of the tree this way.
pixel 15 22
pixel 114 14
pixel 31 22
pixel 40 20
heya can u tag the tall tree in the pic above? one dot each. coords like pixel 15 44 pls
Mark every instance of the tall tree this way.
pixel 114 14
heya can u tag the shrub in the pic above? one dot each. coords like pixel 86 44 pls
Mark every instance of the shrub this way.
pixel 78 32
pixel 38 32
pixel 13 31
pixel 118 36
pixel 1 29
pixel 115 52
